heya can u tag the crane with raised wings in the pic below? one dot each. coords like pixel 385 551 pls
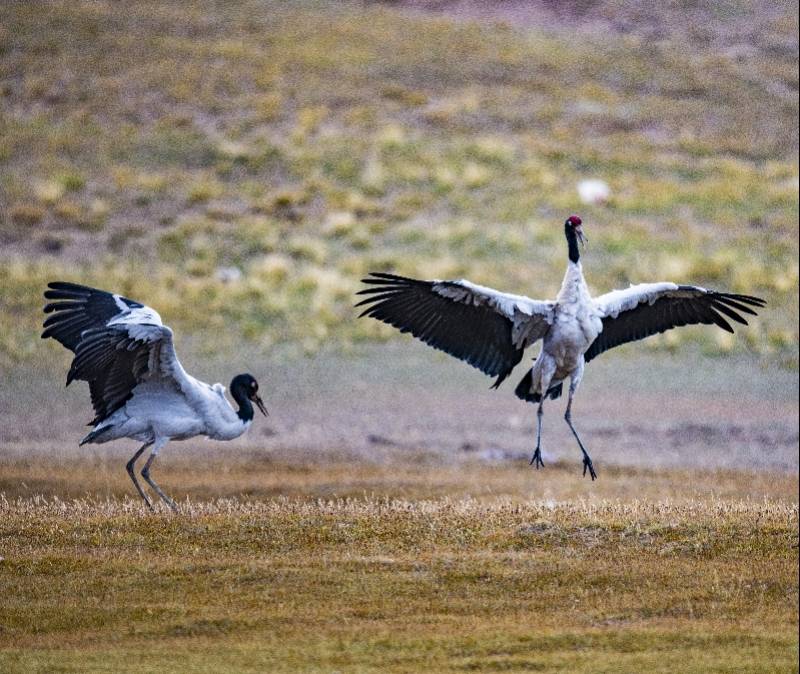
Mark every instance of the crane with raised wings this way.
pixel 490 330
pixel 138 386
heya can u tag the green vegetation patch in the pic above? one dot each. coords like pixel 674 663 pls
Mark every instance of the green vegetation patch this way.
pixel 303 145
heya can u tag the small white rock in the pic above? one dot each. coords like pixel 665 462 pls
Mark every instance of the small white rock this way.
pixel 594 192
pixel 228 274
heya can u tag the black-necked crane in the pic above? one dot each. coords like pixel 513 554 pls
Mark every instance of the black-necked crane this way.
pixel 490 329
pixel 138 386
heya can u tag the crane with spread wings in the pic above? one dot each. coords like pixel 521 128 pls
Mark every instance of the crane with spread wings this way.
pixel 490 330
pixel 138 386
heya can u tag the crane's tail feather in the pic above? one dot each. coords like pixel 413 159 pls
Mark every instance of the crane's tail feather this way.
pixel 95 435
pixel 524 392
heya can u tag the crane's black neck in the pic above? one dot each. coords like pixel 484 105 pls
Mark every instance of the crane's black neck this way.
pixel 572 242
pixel 239 394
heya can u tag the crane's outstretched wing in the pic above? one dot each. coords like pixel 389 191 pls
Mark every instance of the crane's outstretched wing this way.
pixel 649 308
pixel 486 328
pixel 118 343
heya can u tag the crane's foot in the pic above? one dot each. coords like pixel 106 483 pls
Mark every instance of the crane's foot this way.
pixel 587 465
pixel 174 508
pixel 536 459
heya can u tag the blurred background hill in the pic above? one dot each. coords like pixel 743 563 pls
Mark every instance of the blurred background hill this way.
pixel 240 166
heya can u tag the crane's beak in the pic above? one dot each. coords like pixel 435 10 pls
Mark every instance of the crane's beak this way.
pixel 260 404
pixel 581 237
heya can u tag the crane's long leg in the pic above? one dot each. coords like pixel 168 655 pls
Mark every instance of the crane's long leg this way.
pixel 536 459
pixel 130 468
pixel 587 460
pixel 151 481
pixel 543 371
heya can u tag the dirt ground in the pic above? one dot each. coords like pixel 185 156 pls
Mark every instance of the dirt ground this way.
pixel 402 403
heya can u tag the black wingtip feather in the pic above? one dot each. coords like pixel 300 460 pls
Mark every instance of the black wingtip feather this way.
pixel 730 313
pixel 69 286
pixel 719 320
pixel 756 301
pixel 387 276
pixel 706 307
pixel 727 301
pixel 475 334
pixel 382 288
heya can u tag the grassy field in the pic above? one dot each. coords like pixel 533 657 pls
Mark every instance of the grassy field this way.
pixel 673 578
pixel 256 158
pixel 433 547
pixel 393 524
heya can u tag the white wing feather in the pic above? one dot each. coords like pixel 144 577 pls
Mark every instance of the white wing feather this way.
pixel 530 318
pixel 617 301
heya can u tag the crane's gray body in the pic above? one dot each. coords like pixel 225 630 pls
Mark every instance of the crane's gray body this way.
pixel 576 324
pixel 158 410
pixel 168 404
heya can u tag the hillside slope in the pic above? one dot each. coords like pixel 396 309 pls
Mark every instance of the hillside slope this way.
pixel 256 158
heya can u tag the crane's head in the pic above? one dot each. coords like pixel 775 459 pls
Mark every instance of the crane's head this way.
pixel 575 224
pixel 245 386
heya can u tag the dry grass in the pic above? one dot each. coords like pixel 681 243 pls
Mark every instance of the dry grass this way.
pixel 260 475
pixel 670 577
